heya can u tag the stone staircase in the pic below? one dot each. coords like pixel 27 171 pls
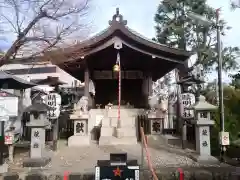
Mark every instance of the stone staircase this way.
pixel 126 134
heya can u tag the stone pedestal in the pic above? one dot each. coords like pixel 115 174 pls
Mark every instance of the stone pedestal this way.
pixel 3 168
pixel 38 155
pixel 80 137
pixel 203 146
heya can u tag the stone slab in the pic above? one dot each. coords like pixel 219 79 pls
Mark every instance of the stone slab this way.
pixel 106 122
pixel 123 112
pixel 80 127
pixel 76 141
pixel 3 168
pixel 124 122
pixel 106 141
pixel 204 159
pixel 36 162
pixel 106 131
pixel 126 132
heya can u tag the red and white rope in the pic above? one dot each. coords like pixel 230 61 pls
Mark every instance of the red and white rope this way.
pixel 119 90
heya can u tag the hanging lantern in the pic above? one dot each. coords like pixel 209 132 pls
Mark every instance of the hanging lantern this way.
pixel 116 68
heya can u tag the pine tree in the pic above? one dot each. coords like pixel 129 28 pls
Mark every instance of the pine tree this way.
pixel 175 29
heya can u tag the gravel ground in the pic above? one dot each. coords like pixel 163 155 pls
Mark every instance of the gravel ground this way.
pixel 83 159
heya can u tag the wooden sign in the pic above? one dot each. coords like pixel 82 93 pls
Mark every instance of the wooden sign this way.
pixel 103 74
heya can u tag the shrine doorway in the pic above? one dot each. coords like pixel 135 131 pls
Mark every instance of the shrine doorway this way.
pixel 131 92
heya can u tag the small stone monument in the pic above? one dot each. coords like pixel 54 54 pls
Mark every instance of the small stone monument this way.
pixel 80 117
pixel 202 121
pixel 38 123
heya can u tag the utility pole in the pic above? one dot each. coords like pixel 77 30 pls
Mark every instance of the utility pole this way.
pixel 216 90
pixel 206 22
pixel 220 84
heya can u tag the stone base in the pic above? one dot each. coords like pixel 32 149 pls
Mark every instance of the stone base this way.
pixel 36 162
pixel 3 168
pixel 110 140
pixel 106 131
pixel 76 141
pixel 204 159
pixel 125 132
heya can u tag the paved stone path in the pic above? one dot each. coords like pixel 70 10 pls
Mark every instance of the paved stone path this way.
pixel 83 159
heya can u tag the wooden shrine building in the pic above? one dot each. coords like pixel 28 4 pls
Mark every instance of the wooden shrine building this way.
pixel 142 61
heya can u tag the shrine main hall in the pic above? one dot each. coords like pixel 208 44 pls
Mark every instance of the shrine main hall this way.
pixel 139 62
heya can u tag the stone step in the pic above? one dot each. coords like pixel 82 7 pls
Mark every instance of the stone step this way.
pixel 124 122
pixel 106 131
pixel 120 132
pixel 106 141
pixel 123 112
pixel 126 132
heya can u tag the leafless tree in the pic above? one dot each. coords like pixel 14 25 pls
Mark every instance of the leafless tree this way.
pixel 37 27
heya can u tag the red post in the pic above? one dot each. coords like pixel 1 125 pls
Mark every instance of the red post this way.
pixel 65 175
pixel 181 174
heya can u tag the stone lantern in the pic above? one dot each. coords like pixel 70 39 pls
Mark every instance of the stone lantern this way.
pixel 202 110
pixel 38 123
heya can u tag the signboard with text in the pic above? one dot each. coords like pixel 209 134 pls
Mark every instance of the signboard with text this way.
pixel 224 138
pixel 54 101
pixel 9 138
pixel 187 99
pixel 117 173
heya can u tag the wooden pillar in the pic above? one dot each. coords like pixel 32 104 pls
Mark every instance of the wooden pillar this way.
pixel 86 82
pixel 86 87
pixel 145 92
pixel 150 83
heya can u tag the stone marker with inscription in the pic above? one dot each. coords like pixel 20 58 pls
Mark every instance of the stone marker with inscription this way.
pixel 202 121
pixel 80 117
pixel 38 123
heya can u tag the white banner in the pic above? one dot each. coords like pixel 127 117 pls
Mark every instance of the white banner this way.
pixel 54 101
pixel 187 99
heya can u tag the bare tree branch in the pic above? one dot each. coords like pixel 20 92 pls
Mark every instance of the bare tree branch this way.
pixel 35 26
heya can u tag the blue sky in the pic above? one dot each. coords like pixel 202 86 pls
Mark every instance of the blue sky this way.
pixel 140 14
